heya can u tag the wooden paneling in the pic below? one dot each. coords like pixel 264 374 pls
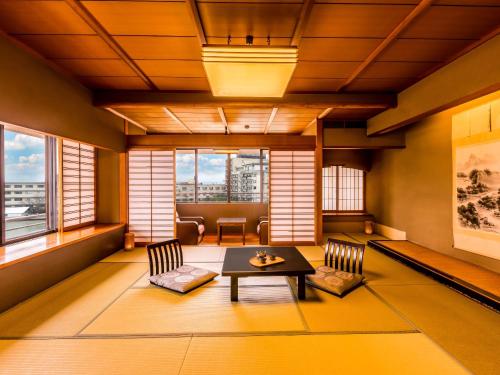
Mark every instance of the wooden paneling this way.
pixel 181 83
pixel 422 49
pixel 314 84
pixel 256 118
pixel 336 49
pixel 293 120
pixel 360 21
pixel 40 17
pixel 389 69
pixel 155 119
pixel 200 119
pixel 115 83
pixel 97 67
pixel 452 22
pixel 352 114
pixel 143 18
pixel 160 47
pixel 69 46
pixel 172 68
pixel 330 69
pixel 378 84
pixel 240 19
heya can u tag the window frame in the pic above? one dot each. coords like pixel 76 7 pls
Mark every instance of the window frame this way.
pixel 227 182
pixel 51 201
pixel 337 192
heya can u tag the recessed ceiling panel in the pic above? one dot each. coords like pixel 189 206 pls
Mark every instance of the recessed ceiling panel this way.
pixel 160 47
pixel 315 84
pixel 143 17
pixel 172 68
pixel 422 49
pixel 40 17
pixel 331 69
pixel 114 83
pixel 336 49
pixel 96 67
pixel 181 83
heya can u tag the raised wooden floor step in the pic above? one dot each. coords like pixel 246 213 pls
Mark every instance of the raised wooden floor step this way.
pixel 477 282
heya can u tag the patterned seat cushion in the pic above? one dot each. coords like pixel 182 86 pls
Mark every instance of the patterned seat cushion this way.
pixel 334 281
pixel 183 279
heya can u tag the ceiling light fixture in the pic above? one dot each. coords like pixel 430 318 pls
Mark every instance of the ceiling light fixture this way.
pixel 248 71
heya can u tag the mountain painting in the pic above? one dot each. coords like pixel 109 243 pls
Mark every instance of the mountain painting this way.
pixel 478 187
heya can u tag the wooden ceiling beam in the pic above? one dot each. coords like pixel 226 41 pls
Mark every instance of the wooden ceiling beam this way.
pixel 80 9
pixel 126 118
pixel 177 119
pixel 270 120
pixel 223 118
pixel 127 99
pixel 305 13
pixel 195 15
pixel 417 11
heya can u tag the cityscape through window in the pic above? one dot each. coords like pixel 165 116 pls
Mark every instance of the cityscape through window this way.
pixel 213 176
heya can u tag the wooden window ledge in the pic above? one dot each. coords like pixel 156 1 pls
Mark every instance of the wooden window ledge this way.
pixel 24 250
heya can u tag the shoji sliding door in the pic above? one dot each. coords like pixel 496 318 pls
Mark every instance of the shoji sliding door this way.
pixel 151 202
pixel 292 197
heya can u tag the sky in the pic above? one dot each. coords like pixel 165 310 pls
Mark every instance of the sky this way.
pixel 24 158
pixel 211 168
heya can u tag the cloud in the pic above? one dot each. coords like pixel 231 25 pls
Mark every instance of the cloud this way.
pixel 22 142
pixel 31 161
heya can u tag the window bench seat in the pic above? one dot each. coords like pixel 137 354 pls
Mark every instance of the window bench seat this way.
pixel 474 281
pixel 33 265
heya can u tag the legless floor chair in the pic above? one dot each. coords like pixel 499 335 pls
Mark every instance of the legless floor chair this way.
pixel 167 268
pixel 343 268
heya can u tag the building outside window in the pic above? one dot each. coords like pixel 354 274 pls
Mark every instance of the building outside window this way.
pixel 209 176
pixel 26 176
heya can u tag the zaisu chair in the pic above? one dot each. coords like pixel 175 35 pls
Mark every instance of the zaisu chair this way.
pixel 190 229
pixel 167 268
pixel 343 267
pixel 262 229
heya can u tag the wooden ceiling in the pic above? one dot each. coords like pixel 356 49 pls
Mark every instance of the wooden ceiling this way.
pixel 344 46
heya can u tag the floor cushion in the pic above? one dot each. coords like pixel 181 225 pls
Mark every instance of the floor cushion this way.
pixel 183 279
pixel 334 281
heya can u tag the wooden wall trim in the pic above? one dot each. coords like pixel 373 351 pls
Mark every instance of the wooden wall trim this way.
pixel 319 181
pixel 273 141
pixel 127 99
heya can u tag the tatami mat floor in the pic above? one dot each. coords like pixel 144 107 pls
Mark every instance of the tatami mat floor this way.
pixel 108 319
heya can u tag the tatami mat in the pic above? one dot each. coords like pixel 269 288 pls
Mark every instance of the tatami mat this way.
pixel 99 356
pixel 156 310
pixel 190 253
pixel 464 328
pixel 337 236
pixel 324 354
pixel 358 311
pixel 67 307
pixel 312 253
pixel 143 282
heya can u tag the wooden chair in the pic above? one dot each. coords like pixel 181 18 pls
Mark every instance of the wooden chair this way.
pixel 167 268
pixel 344 255
pixel 164 256
pixel 343 268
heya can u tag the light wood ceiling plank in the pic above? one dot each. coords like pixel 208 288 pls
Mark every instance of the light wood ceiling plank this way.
pixel 172 68
pixel 97 67
pixel 143 18
pixel 160 47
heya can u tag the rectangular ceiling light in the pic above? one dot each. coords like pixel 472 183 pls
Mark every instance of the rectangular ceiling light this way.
pixel 249 71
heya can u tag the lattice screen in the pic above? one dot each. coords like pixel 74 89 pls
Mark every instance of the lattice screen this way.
pixel 78 183
pixel 292 196
pixel 151 195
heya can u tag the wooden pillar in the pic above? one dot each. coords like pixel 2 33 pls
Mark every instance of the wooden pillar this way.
pixel 319 181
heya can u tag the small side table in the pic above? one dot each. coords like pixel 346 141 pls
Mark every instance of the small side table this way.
pixel 230 222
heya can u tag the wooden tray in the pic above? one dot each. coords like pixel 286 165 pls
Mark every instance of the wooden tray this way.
pixel 256 262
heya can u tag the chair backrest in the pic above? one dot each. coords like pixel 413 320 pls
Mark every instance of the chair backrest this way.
pixel 164 256
pixel 344 255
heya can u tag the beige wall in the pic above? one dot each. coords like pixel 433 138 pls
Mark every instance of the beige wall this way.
pixel 108 186
pixel 413 192
pixel 34 96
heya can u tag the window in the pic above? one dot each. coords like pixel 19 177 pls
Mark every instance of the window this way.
pixel 343 189
pixel 78 176
pixel 28 160
pixel 185 166
pixel 210 176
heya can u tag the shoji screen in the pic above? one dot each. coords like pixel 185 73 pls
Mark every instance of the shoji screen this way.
pixel 151 195
pixel 292 196
pixel 78 184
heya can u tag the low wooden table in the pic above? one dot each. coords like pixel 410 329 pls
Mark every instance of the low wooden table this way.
pixel 230 222
pixel 236 265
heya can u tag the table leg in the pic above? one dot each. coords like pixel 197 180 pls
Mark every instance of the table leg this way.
pixel 243 234
pixel 234 288
pixel 301 287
